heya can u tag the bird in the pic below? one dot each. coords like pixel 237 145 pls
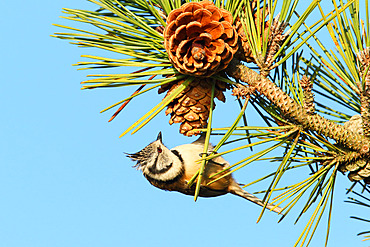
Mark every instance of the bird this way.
pixel 172 169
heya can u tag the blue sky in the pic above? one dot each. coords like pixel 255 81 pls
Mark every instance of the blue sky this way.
pixel 64 179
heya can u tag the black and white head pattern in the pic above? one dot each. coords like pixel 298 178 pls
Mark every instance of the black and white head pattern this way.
pixel 158 162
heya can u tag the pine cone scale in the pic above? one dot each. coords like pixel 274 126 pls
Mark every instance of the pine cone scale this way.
pixel 192 7
pixel 204 16
pixel 198 108
pixel 191 116
pixel 193 29
pixel 187 101
pixel 180 33
pixel 183 19
pixel 173 15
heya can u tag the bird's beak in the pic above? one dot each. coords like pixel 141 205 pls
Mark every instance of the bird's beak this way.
pixel 159 137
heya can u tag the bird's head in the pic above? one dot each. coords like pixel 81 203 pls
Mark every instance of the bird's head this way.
pixel 158 162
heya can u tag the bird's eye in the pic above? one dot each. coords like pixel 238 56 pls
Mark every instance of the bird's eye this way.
pixel 159 150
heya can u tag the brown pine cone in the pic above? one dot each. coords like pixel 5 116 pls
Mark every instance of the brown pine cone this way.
pixel 200 38
pixel 191 107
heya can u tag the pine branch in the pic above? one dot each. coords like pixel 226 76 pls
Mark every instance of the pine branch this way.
pixel 295 112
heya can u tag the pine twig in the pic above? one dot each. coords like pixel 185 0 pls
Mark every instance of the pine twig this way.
pixel 295 112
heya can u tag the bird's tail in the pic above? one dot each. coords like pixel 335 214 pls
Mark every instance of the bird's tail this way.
pixel 237 190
